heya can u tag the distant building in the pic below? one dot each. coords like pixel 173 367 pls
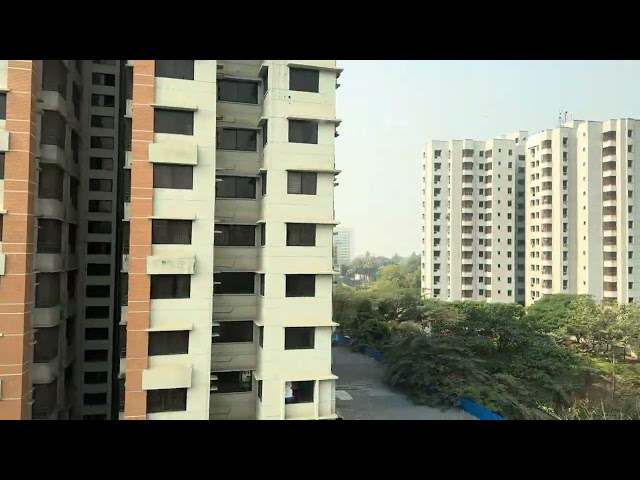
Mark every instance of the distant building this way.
pixel 343 243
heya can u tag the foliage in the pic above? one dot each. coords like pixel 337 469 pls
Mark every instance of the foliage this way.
pixel 542 362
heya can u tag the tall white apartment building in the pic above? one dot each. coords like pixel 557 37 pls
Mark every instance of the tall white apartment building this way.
pixel 343 241
pixel 474 219
pixel 581 218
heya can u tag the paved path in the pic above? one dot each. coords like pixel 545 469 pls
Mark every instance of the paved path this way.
pixel 361 394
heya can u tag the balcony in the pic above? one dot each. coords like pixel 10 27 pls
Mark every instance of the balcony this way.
pixel 171 265
pixel 166 376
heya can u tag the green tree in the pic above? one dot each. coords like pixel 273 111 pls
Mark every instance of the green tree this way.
pixel 550 313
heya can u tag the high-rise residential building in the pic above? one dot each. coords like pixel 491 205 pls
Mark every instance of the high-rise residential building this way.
pixel 474 220
pixel 343 241
pixel 133 287
pixel 581 213
pixel 573 215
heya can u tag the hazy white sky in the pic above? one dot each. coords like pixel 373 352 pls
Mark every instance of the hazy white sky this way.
pixel 390 108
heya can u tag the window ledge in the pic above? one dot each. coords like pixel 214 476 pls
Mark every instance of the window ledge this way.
pixel 181 108
pixel 231 102
pixel 335 121
pixel 332 171
pixel 174 326
pixel 4 90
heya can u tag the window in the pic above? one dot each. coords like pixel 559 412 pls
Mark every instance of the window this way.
pixel 302 183
pixel 104 79
pixel 234 332
pixel 299 338
pixel 54 77
pixel 49 238
pixel 171 232
pixel 128 133
pixel 106 143
pixel 235 235
pixel 3 106
pixel 170 286
pixel 238 91
pixel 169 343
pixel 232 382
pixel 180 69
pixel 98 269
pixel 301 235
pixel 261 336
pixel 263 234
pixel 303 131
pixel 93 378
pixel 96 312
pixel 47 290
pixel 1 165
pixel 167 400
pixel 100 206
pixel 235 283
pixel 98 100
pixel 241 139
pixel 303 391
pixel 300 286
pixel 265 132
pixel 99 227
pixel 99 248
pixel 179 177
pixel 262 282
pixel 126 184
pixel 98 291
pixel 105 62
pixel 100 185
pixel 95 399
pixel 94 356
pixel 263 183
pixel 100 163
pixel 236 187
pixel 96 334
pixel 175 122
pixel 304 80
pixel 54 129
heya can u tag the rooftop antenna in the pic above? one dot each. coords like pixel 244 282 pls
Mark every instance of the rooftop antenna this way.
pixel 560 118
pixel 565 116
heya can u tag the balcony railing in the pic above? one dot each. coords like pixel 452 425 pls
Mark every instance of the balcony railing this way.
pixel 49 247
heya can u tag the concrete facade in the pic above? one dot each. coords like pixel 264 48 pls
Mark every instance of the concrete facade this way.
pixel 150 293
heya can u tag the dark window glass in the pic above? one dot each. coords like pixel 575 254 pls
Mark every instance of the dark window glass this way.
pixel 101 227
pixel 232 382
pixel 98 291
pixel 168 400
pixel 262 284
pixel 300 286
pixel 102 121
pixel 303 131
pixel 92 356
pixel 49 238
pixel 244 140
pixel 168 343
pixel 238 91
pixel 50 182
pixel 128 134
pixel 173 176
pixel 1 165
pixel 126 184
pixel 100 185
pixel 96 334
pixel 263 234
pixel 96 312
pixel 99 100
pixel 171 232
pixel 304 80
pixel 303 391
pixel 111 63
pixel 175 122
pixel 3 106
pixel 235 235
pixel 302 183
pixel 99 248
pixel 106 143
pixel 47 290
pixel 236 187
pixel 54 129
pixel 234 283
pixel 170 286
pixel 234 332
pixel 180 69
pixel 93 378
pixel 299 338
pixel 104 79
pixel 75 146
pixel 301 235
pixel 100 206
pixel 54 77
pixel 98 269
pixel 263 183
pixel 100 163
pixel 94 399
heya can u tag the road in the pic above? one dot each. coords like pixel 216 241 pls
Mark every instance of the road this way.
pixel 361 394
